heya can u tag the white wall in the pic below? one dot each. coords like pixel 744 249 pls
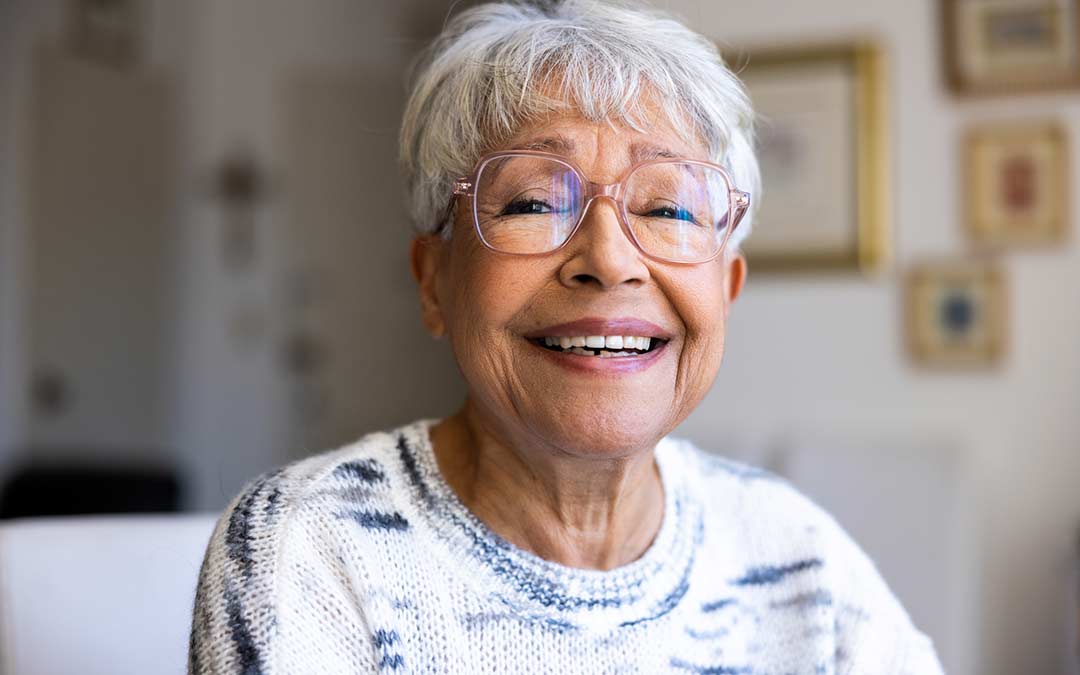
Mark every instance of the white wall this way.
pixel 232 408
pixel 8 259
pixel 100 202
pixel 22 22
pixel 237 409
pixel 97 419
pixel 822 357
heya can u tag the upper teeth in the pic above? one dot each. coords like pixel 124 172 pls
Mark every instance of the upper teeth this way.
pixel 600 342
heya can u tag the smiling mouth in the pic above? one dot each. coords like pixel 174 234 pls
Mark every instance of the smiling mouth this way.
pixel 612 346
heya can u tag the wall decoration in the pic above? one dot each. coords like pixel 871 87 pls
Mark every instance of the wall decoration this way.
pixel 50 392
pixel 105 31
pixel 956 314
pixel 240 186
pixel 304 356
pixel 1017 184
pixel 823 153
pixel 996 46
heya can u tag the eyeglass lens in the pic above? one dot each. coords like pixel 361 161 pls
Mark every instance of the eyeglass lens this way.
pixel 676 210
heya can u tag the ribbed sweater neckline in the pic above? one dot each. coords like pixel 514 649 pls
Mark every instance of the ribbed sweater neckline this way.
pixel 532 588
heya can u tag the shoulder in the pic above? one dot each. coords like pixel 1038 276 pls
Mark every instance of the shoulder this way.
pixel 784 540
pixel 767 510
pixel 270 502
pixel 747 494
pixel 272 562
pixel 306 491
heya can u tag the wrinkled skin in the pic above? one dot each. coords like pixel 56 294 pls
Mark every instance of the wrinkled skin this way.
pixel 573 450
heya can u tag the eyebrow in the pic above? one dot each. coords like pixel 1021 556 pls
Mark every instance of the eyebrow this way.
pixel 643 152
pixel 639 152
pixel 556 144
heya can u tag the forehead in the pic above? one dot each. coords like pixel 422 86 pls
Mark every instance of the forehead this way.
pixel 581 139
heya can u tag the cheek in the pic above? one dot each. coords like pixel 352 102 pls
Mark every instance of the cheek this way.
pixel 472 272
pixel 699 300
pixel 486 293
pixel 489 294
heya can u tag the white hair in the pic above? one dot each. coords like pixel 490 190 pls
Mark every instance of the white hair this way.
pixel 494 66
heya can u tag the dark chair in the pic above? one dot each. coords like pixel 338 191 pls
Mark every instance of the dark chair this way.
pixel 78 488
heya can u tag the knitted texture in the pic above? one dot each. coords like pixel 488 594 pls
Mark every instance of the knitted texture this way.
pixel 363 559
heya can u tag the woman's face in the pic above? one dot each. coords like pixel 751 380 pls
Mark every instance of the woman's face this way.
pixel 496 309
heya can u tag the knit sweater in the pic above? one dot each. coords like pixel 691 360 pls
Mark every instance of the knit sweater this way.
pixel 363 559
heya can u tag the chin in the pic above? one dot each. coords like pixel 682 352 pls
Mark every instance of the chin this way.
pixel 593 433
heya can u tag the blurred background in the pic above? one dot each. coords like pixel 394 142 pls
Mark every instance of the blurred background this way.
pixel 204 275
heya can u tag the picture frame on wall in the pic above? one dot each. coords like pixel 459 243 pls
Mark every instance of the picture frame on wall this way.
pixel 822 146
pixel 107 32
pixel 1016 177
pixel 1004 46
pixel 956 314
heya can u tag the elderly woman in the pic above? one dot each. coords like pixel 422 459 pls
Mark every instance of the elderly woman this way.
pixel 581 174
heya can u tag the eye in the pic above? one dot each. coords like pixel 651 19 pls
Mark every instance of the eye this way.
pixel 672 212
pixel 525 207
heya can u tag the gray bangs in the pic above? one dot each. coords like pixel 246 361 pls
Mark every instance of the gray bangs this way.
pixel 497 67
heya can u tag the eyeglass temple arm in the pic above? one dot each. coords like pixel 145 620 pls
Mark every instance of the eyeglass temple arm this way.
pixel 742 205
pixel 462 186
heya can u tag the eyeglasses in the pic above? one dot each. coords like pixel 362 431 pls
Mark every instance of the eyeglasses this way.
pixel 527 202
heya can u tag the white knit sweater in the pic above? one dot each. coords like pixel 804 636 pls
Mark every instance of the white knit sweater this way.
pixel 363 559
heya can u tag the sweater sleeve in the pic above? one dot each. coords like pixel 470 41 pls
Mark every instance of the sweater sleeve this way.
pixel 874 633
pixel 272 597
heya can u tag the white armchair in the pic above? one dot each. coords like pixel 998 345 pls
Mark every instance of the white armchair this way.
pixel 100 595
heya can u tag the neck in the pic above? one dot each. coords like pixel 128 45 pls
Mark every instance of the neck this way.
pixel 579 512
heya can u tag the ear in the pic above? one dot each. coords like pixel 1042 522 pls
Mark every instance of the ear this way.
pixel 425 256
pixel 734 276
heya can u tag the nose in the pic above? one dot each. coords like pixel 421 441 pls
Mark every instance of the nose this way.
pixel 601 254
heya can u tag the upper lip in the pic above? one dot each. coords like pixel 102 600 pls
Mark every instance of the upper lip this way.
pixel 600 326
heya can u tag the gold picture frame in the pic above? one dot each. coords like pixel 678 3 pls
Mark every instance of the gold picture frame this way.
pixel 994 47
pixel 956 314
pixel 824 151
pixel 107 32
pixel 1016 184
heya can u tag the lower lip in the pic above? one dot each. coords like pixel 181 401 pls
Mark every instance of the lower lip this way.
pixel 600 364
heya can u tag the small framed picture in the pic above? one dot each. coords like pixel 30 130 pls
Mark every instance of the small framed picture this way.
pixel 956 314
pixel 106 31
pixel 822 145
pixel 1002 46
pixel 1017 180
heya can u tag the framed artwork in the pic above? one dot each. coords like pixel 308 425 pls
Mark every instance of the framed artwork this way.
pixel 956 314
pixel 106 31
pixel 822 145
pixel 1016 184
pixel 1002 46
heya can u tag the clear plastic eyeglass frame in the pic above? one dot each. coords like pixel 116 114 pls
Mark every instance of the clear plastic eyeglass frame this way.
pixel 738 201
